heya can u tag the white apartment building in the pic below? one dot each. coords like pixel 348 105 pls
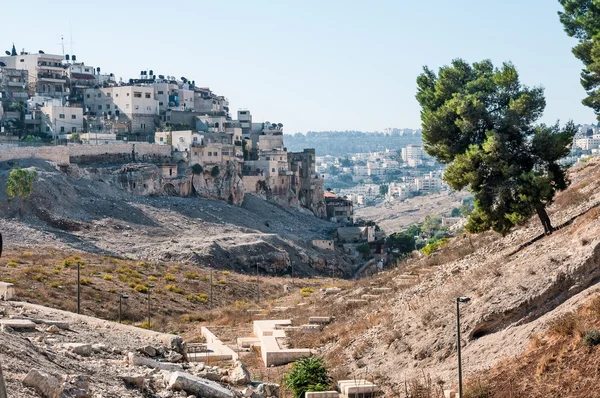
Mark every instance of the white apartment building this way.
pixel 61 120
pixel 428 184
pixel 181 141
pixel 138 104
pixel 588 143
pixel 46 73
pixel 413 155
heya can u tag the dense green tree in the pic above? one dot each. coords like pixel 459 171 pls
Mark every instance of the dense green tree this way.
pixel 431 224
pixel 307 374
pixel 581 20
pixel 413 230
pixel 20 185
pixel 455 212
pixel 401 242
pixel 384 189
pixel 479 120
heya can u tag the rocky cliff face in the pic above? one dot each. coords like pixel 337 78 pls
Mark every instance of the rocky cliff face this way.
pixel 139 179
pixel 226 185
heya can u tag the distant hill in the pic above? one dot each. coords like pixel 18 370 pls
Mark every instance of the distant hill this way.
pixel 342 143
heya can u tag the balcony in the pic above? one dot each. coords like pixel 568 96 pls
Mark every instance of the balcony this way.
pixel 51 78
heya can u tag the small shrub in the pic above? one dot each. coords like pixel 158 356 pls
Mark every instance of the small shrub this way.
pixel 307 374
pixel 432 247
pixel 215 171
pixel 27 254
pixel 12 264
pixel 146 325
pixel 191 275
pixel 226 272
pixel 197 298
pixel 222 281
pixel 591 338
pixel 477 389
pixel 306 291
pixel 55 284
pixel 170 278
pixel 204 278
pixel 72 261
pixel 112 290
pixel 241 304
pixel 141 288
pixel 107 277
pixel 174 289
pixel 152 278
pixel 189 318
pixel 85 281
pixel 564 325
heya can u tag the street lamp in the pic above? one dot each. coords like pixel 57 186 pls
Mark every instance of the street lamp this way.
pixel 121 296
pixel 149 320
pixel 257 286
pixel 78 287
pixel 458 301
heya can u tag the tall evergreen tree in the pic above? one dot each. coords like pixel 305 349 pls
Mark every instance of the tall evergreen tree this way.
pixel 581 20
pixel 479 120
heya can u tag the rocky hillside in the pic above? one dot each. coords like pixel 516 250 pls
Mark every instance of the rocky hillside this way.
pixel 516 283
pixel 112 211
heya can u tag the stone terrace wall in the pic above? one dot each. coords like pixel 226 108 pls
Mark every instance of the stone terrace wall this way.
pixel 57 154
pixel 120 153
pixel 113 153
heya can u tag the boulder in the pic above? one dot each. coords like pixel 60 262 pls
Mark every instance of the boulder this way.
pixel 148 350
pixel 137 360
pixel 79 348
pixel 99 347
pixel 52 329
pixel 43 383
pixel 181 381
pixel 239 375
pixel 172 356
pixel 138 381
pixel 268 390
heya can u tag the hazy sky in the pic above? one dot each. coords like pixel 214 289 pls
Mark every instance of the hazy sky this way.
pixel 309 64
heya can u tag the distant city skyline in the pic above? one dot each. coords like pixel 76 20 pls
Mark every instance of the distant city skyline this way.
pixel 310 65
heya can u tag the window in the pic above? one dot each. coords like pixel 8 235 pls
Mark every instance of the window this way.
pixel 87 96
pixel 108 95
pixel 195 153
pixel 73 129
pixel 117 113
pixel 272 170
pixel 87 69
pixel 181 139
pixel 110 112
pixel 99 107
pixel 61 116
pixel 170 172
pixel 210 154
pixel 160 93
pixel 62 129
pixel 73 116
pixel 161 139
pixel 195 139
pixel 148 108
pixel 148 95
pixel 137 107
pixel 21 60
pixel 99 95
pixel 128 94
pixel 116 95
pixel 126 106
pixel 47 128
pixel 137 95
pixel 160 104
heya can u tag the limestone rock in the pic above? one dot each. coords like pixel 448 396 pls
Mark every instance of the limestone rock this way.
pixel 137 360
pixel 148 350
pixel 99 347
pixel 239 375
pixel 43 383
pixel 52 329
pixel 79 348
pixel 200 387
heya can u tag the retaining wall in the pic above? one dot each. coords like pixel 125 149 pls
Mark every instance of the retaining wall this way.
pixel 112 153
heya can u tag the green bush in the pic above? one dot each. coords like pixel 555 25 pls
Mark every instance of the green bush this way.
pixel 433 246
pixel 191 275
pixel 591 338
pixel 306 291
pixel 141 288
pixel 197 169
pixel 307 374
pixel 170 278
pixel 197 298
pixel 215 171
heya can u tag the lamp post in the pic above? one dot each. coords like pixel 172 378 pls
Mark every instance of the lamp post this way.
pixel 78 287
pixel 121 296
pixel 458 301
pixel 149 319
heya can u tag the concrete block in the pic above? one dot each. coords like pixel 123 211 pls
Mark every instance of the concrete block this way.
pixel 216 350
pixel 247 342
pixel 321 394
pixel 7 291
pixel 82 349
pixel 332 290
pixel 320 319
pixel 370 297
pixel 351 388
pixel 197 386
pixel 280 309
pixel 59 324
pixel 18 323
pixel 382 290
pixel 311 327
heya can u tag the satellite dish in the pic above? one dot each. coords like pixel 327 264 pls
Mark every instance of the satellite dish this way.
pixel 7 52
pixel 2 64
pixel 41 52
pixel 98 69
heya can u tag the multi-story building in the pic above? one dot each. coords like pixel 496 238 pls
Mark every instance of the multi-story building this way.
pixel 340 210
pixel 13 85
pixel 137 104
pixel 588 143
pixel 61 120
pixel 428 184
pixel 413 155
pixel 46 73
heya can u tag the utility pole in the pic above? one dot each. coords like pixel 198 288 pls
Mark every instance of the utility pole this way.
pixel 458 301
pixel 78 287
pixel 149 319
pixel 121 297
pixel 211 287
pixel 257 286
pixel 292 273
